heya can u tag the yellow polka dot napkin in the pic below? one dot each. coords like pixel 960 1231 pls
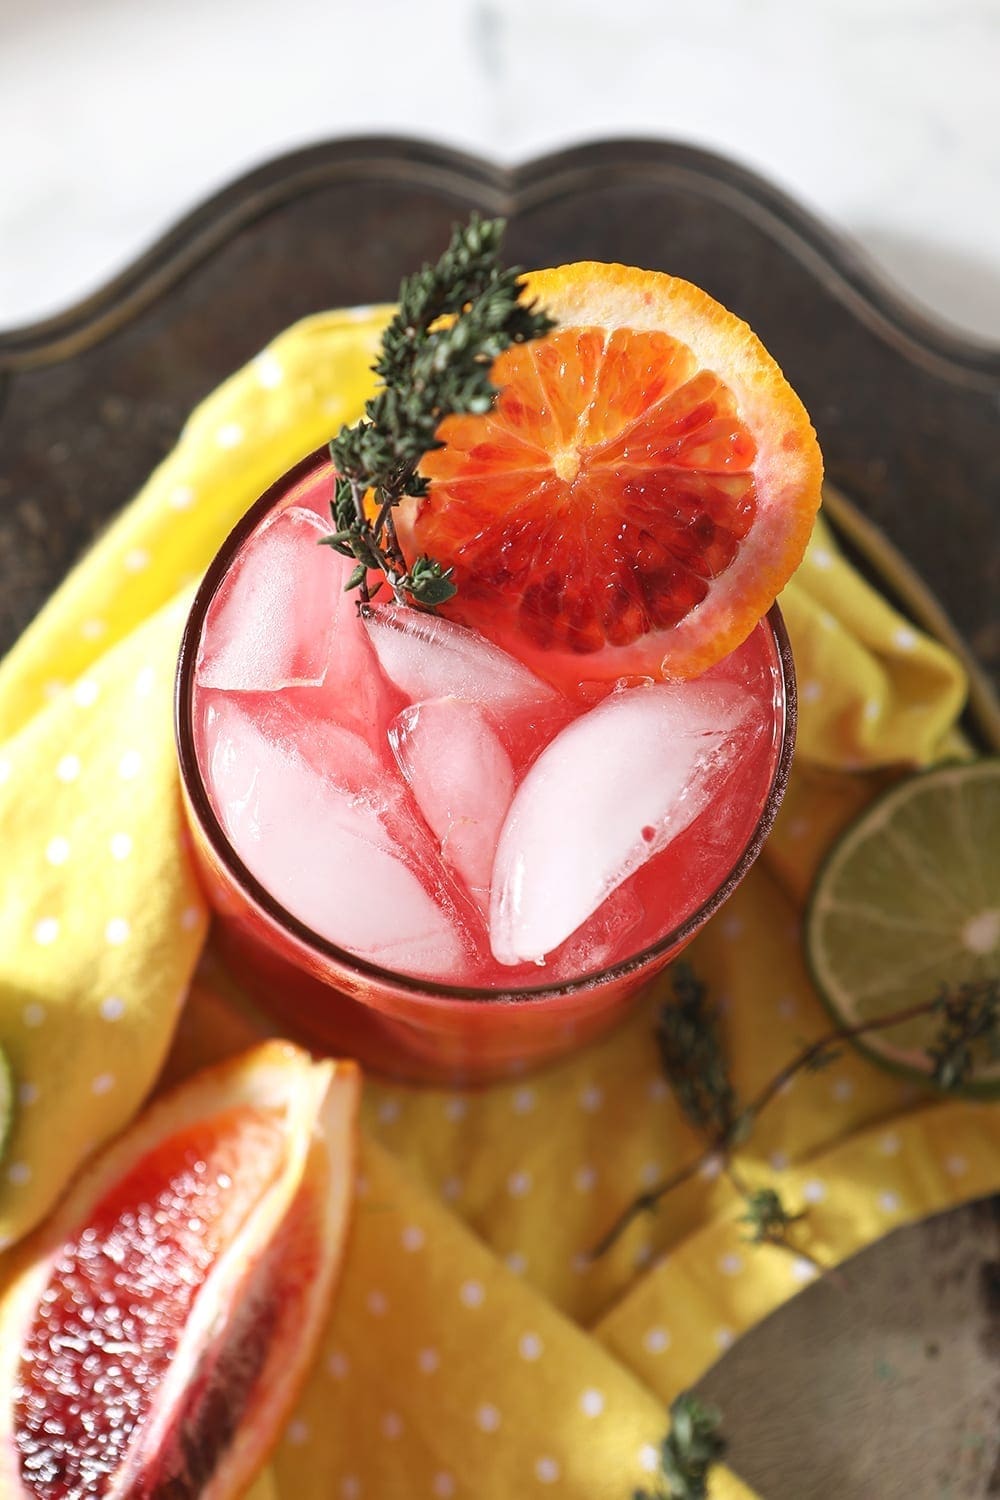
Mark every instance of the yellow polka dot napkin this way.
pixel 476 1348
pixel 101 921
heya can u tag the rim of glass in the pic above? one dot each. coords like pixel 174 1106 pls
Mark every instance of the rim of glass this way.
pixel 261 897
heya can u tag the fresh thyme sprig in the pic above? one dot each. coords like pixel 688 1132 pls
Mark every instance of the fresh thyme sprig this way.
pixel 693 1059
pixel 453 319
pixel 767 1217
pixel 969 1014
pixel 695 1065
pixel 688 1452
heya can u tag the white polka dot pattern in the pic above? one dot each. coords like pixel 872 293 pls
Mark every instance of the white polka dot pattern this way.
pixel 68 768
pixel 130 765
pixel 230 435
pixel 46 930
pixel 120 845
pixel 268 371
pixel 487 1417
pixel 649 1459
pixel 57 850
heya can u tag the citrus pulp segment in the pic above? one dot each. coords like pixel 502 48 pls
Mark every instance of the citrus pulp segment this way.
pixel 641 490
pixel 157 1327
pixel 907 901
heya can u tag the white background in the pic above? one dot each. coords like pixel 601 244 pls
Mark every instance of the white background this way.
pixel 882 115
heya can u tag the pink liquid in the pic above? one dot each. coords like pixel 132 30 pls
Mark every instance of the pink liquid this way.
pixel 304 739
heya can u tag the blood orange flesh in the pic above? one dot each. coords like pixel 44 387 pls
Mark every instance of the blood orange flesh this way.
pixel 157 1332
pixel 639 493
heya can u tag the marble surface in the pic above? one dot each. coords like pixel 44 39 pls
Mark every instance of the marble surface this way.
pixel 881 115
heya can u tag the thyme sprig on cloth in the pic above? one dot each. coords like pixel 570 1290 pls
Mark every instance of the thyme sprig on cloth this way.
pixel 688 1452
pixel 695 1064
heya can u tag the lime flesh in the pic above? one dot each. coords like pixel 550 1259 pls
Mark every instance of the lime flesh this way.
pixel 908 901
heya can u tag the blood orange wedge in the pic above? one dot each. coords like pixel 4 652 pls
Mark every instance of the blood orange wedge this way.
pixel 160 1322
pixel 640 492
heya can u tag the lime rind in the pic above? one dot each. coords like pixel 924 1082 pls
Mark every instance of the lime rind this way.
pixel 907 899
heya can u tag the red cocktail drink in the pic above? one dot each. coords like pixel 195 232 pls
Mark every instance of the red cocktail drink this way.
pixel 423 854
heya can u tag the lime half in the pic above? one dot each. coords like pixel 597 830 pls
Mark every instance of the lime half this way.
pixel 908 900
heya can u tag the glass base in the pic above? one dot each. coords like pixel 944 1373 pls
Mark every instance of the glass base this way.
pixel 496 1043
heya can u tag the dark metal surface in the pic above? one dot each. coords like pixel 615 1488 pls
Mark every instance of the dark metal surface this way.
pixel 909 420
pixel 883 1384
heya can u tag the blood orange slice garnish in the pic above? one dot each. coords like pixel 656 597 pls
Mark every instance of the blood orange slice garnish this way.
pixel 640 492
pixel 161 1321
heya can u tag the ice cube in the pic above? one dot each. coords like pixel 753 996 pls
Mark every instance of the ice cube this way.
pixel 599 942
pixel 354 690
pixel 295 717
pixel 430 657
pixel 606 794
pixel 462 780
pixel 327 853
pixel 270 624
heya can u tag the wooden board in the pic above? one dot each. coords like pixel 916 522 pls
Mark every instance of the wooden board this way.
pixel 909 420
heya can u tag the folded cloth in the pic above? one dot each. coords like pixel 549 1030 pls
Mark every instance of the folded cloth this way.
pixel 475 1349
